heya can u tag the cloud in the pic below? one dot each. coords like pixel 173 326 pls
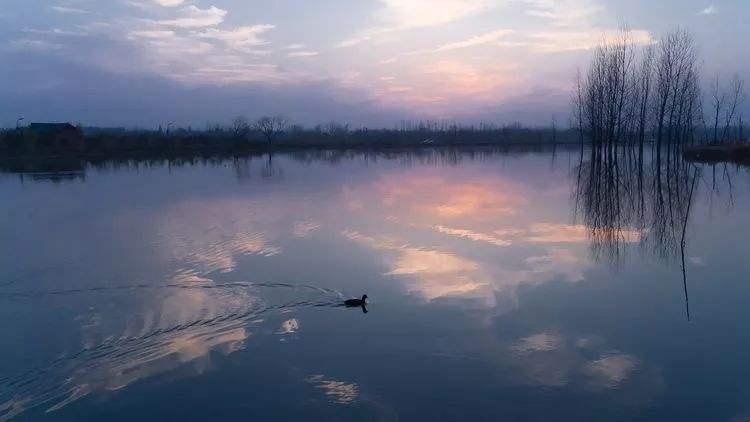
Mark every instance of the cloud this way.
pixel 557 233
pixel 153 34
pixel 475 236
pixel 169 3
pixel 354 41
pixel 186 46
pixel 195 48
pixel 402 88
pixel 69 10
pixel 305 228
pixel 165 49
pixel 211 56
pixel 34 45
pixel 294 47
pixel 57 32
pixel 303 54
pixel 404 14
pixel 398 15
pixel 710 10
pixel 573 13
pixel 238 38
pixel 195 42
pixel 474 41
pixel 557 41
pixel 194 17
pixel 145 85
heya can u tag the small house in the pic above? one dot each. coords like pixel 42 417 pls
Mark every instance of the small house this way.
pixel 57 136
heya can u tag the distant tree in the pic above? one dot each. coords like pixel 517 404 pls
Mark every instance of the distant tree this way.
pixel 271 126
pixel 213 128
pixel 337 130
pixel 240 127
pixel 297 129
pixel 554 130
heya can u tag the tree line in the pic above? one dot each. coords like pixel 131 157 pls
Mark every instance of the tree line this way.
pixel 277 132
pixel 630 95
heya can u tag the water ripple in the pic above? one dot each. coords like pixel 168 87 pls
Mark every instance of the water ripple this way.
pixel 119 360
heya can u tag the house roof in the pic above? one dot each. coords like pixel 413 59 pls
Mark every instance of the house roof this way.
pixel 51 127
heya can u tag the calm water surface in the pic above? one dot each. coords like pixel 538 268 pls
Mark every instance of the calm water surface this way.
pixel 503 286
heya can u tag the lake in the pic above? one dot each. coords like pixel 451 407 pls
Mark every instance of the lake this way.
pixel 503 285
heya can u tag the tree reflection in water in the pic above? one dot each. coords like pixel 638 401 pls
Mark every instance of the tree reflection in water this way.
pixel 624 196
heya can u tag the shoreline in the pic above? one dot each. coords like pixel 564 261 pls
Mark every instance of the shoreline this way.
pixel 207 152
pixel 714 154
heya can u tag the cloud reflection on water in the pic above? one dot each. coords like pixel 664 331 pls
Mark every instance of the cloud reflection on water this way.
pixel 289 326
pixel 551 359
pixel 425 193
pixel 448 238
pixel 434 273
pixel 410 214
pixel 209 234
pixel 336 391
pixel 167 329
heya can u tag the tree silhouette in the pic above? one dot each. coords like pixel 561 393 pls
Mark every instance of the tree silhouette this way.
pixel 271 126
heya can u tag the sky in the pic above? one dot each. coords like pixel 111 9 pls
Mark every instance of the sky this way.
pixel 144 63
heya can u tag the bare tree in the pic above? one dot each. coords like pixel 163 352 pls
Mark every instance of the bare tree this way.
pixel 735 99
pixel 644 91
pixel 624 97
pixel 578 104
pixel 741 131
pixel 718 98
pixel 676 87
pixel 271 126
pixel 240 127
pixel 604 98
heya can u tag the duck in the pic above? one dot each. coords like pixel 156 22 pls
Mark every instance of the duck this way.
pixel 353 303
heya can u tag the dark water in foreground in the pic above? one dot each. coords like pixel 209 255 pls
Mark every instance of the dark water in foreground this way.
pixel 503 286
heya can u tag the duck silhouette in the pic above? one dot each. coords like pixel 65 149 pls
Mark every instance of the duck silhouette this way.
pixel 355 303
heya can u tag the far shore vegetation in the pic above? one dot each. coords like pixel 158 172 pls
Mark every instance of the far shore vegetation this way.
pixel 269 134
